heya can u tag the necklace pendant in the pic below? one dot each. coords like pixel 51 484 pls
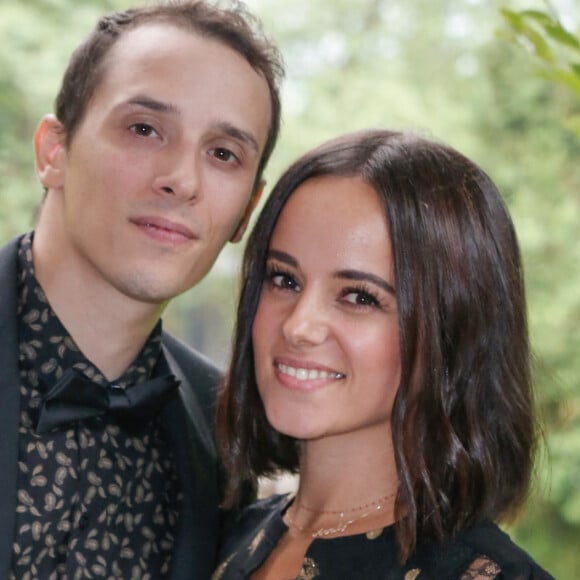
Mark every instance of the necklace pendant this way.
pixel 323 532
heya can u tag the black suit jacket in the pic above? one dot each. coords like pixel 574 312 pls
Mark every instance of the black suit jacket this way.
pixel 187 422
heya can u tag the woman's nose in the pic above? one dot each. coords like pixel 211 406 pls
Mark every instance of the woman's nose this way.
pixel 306 323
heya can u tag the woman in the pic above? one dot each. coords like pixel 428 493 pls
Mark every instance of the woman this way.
pixel 381 351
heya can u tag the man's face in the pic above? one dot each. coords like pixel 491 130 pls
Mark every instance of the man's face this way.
pixel 162 166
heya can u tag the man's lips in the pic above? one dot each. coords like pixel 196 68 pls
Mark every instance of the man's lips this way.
pixel 163 225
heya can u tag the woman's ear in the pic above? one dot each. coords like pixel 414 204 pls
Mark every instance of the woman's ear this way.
pixel 245 220
pixel 50 152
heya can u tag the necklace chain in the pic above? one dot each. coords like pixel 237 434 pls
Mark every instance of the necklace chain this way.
pixel 342 525
pixel 341 513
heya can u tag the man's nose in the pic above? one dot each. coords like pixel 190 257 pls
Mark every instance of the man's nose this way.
pixel 179 176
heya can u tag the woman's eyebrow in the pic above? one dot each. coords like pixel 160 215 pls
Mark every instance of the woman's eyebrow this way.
pixel 283 257
pixel 361 276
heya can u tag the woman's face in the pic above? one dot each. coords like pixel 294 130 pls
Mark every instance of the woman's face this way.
pixel 326 334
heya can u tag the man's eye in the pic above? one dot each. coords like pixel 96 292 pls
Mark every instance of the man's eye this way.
pixel 223 154
pixel 143 129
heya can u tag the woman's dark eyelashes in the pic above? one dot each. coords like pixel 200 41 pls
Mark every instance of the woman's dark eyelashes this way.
pixel 281 278
pixel 359 296
pixel 363 296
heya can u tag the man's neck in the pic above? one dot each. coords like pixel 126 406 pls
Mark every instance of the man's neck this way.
pixel 108 327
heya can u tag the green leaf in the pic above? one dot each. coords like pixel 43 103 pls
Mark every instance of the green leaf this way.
pixel 522 22
pixel 540 17
pixel 541 47
pixel 518 24
pixel 561 35
pixel 569 78
pixel 513 18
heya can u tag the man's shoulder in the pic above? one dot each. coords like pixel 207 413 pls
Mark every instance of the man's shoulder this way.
pixel 190 360
pixel 200 376
pixel 9 252
pixel 9 284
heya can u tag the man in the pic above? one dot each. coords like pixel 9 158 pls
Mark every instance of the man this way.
pixel 165 120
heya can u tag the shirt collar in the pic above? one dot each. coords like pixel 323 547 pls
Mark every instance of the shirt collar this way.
pixel 36 313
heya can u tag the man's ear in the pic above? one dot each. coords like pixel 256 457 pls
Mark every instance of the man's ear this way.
pixel 50 152
pixel 241 229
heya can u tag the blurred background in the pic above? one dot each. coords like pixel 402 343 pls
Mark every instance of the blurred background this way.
pixel 499 81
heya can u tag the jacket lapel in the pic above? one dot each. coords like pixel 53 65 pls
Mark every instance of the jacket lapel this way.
pixel 9 401
pixel 196 460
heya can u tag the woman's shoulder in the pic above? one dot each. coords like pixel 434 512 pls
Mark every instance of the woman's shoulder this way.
pixel 262 509
pixel 480 552
pixel 490 542
pixel 258 518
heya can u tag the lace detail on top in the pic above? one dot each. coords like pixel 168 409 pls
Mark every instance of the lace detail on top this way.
pixel 481 568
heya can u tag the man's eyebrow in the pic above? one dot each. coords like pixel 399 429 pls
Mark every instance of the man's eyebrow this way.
pixel 237 133
pixel 366 277
pixel 283 257
pixel 222 126
pixel 154 105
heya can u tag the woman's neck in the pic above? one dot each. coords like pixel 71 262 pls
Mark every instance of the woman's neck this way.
pixel 346 478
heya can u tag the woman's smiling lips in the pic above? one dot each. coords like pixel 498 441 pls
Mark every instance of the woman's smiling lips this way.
pixel 164 230
pixel 304 375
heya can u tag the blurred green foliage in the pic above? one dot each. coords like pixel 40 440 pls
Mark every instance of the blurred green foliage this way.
pixel 459 70
pixel 556 49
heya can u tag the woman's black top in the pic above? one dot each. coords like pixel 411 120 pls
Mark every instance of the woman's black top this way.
pixel 483 551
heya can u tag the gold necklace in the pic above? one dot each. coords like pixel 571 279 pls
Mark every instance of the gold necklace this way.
pixel 342 525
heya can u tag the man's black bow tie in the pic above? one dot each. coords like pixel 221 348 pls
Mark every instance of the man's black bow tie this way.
pixel 76 397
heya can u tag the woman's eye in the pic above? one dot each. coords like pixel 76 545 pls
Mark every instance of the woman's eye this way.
pixel 359 298
pixel 283 281
pixel 143 129
pixel 223 154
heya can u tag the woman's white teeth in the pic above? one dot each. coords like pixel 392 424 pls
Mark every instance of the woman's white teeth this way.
pixel 308 374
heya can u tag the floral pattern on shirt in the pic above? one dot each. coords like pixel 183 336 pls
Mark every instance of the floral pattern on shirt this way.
pixel 94 500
